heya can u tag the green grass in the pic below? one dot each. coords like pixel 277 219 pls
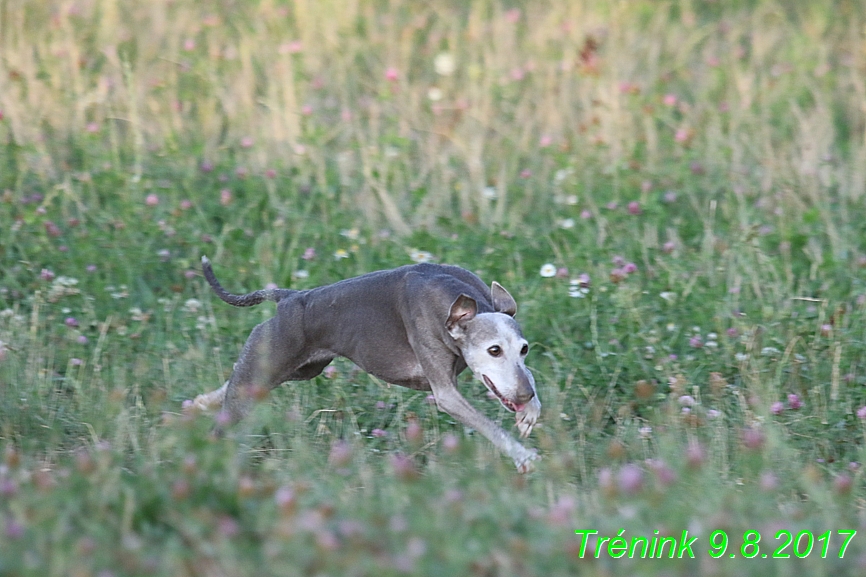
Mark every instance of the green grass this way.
pixel 718 148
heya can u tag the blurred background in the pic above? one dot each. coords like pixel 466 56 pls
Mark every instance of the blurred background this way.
pixel 410 112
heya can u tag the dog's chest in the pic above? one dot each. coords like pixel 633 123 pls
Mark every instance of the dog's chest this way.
pixel 405 371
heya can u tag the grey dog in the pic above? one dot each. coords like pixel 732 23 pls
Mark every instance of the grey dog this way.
pixel 418 326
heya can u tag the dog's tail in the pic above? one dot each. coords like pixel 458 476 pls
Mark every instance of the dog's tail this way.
pixel 247 300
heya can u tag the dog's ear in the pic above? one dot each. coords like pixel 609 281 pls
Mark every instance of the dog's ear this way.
pixel 502 301
pixel 464 308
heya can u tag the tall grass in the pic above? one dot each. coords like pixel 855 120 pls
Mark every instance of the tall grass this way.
pixel 693 171
pixel 768 99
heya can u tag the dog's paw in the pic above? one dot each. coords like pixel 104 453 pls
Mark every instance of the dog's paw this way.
pixel 207 402
pixel 527 418
pixel 524 463
pixel 198 405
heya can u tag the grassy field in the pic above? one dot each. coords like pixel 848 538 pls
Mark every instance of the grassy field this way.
pixel 672 191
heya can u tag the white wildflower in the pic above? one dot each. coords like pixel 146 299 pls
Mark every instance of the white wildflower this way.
pixel 420 256
pixel 444 64
pixel 192 306
pixel 62 286
pixel 560 175
pixel 547 270
pixel 137 314
pixel 120 293
pixel 577 289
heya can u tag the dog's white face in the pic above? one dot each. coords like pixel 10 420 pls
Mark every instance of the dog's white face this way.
pixel 494 349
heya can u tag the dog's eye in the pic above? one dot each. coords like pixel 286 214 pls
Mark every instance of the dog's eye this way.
pixel 524 350
pixel 494 351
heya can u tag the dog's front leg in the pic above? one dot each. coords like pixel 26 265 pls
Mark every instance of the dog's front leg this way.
pixel 449 399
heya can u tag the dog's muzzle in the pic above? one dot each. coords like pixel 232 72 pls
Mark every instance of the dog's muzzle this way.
pixel 525 394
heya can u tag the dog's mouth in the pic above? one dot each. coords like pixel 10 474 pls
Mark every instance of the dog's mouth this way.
pixel 505 402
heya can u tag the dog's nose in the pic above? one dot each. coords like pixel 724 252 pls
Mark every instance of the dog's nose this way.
pixel 525 390
pixel 524 397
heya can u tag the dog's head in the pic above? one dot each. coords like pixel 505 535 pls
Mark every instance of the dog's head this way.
pixel 494 347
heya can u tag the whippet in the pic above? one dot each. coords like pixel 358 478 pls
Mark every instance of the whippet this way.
pixel 418 326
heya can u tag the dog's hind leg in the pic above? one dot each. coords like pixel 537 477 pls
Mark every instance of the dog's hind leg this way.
pixel 263 365
pixel 268 358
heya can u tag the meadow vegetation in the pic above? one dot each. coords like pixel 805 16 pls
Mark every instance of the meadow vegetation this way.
pixel 672 191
